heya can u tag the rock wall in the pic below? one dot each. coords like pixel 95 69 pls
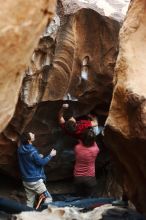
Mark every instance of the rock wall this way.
pixel 127 119
pixel 55 75
pixel 21 24
pixel 74 42
pixel 74 63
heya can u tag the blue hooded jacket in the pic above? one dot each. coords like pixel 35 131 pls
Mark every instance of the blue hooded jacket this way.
pixel 31 163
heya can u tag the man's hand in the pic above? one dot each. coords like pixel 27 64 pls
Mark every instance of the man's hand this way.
pixel 53 153
pixel 94 120
pixel 65 105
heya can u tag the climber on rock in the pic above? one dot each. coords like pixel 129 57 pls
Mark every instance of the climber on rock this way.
pixel 31 168
pixel 71 125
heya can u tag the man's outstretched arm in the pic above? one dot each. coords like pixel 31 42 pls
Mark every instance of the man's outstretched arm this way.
pixel 60 116
pixel 94 121
pixel 43 160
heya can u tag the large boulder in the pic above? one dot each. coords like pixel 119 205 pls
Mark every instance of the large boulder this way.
pixel 126 124
pixel 56 73
pixel 21 23
pixel 75 41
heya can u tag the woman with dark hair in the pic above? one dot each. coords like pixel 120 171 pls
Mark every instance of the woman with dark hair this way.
pixel 86 152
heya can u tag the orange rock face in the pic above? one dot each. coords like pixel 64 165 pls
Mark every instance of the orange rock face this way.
pixel 84 38
pixel 126 124
pixel 86 33
pixel 18 20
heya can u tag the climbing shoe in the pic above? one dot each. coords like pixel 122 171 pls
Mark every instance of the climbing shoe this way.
pixel 120 203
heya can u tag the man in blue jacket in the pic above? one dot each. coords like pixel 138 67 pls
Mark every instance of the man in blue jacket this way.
pixel 32 169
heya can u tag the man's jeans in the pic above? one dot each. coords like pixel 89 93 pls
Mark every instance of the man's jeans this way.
pixel 34 188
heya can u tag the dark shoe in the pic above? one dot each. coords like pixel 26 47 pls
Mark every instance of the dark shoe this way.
pixel 120 203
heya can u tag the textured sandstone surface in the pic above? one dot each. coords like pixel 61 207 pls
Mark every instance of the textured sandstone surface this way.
pixel 21 23
pixel 76 40
pixel 56 73
pixel 127 118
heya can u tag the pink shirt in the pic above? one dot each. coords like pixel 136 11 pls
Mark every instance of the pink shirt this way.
pixel 85 159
